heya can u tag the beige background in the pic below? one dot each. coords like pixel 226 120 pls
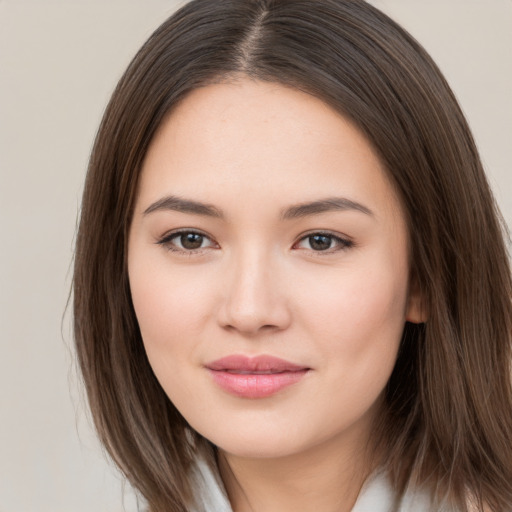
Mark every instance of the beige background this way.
pixel 59 61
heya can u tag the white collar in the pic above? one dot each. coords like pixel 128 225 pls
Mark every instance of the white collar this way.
pixel 376 495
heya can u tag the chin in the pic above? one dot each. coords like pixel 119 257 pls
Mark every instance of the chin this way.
pixel 268 449
pixel 254 443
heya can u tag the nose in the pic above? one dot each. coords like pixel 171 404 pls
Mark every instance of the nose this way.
pixel 254 297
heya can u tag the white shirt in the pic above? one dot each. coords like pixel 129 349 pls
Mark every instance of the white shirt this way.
pixel 376 495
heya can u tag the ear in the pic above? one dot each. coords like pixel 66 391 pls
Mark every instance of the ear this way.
pixel 416 312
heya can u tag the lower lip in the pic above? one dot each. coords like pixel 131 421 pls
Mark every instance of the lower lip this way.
pixel 256 385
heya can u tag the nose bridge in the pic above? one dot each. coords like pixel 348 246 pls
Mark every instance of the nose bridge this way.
pixel 254 298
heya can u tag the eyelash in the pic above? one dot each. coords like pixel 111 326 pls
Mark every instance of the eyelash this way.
pixel 167 242
pixel 341 243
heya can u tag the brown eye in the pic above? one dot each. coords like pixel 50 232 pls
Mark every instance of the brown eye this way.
pixel 320 242
pixel 187 242
pixel 323 242
pixel 191 241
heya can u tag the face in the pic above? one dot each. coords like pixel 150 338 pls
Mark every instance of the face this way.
pixel 268 265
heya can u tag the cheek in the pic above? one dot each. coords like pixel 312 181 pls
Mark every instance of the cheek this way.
pixel 171 310
pixel 170 304
pixel 357 300
pixel 357 328
pixel 357 319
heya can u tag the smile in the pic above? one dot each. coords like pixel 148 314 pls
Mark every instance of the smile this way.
pixel 257 377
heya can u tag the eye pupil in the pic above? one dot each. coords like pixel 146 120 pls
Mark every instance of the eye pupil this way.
pixel 191 240
pixel 320 242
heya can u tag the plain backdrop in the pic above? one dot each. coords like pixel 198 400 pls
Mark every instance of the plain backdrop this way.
pixel 59 62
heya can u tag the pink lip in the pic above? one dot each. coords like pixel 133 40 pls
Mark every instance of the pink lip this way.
pixel 255 377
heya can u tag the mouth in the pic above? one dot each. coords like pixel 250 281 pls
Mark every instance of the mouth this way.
pixel 255 377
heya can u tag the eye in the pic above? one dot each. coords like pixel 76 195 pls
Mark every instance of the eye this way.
pixel 186 241
pixel 323 242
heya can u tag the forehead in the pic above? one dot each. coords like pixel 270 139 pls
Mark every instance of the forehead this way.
pixel 257 138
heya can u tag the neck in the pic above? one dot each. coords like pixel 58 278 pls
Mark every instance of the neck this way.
pixel 327 477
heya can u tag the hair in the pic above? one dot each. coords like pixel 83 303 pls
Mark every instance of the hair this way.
pixel 447 425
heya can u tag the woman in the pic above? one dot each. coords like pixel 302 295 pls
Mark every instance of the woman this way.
pixel 291 287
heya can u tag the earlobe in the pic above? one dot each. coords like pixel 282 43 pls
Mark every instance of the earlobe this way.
pixel 416 309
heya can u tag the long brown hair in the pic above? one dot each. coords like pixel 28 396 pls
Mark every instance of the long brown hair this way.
pixel 448 421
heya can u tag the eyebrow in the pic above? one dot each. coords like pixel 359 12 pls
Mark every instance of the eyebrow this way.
pixel 179 204
pixel 330 204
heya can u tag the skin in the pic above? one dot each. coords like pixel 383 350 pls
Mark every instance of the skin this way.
pixel 258 285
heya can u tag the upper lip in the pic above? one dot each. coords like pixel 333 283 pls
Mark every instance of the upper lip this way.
pixel 262 363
